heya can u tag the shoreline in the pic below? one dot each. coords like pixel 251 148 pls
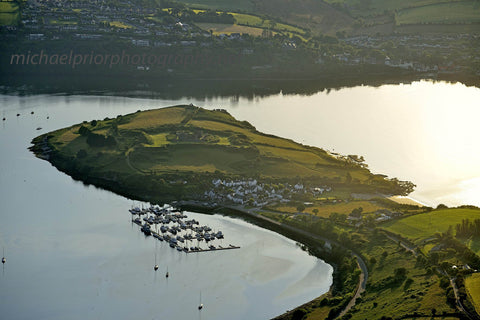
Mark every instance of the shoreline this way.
pixel 297 234
pixel 407 200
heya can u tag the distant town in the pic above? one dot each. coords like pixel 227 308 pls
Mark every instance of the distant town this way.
pixel 176 28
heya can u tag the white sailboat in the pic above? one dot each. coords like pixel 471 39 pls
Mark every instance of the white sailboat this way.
pixel 155 267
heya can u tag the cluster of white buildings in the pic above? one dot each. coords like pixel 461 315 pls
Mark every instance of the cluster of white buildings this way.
pixel 258 194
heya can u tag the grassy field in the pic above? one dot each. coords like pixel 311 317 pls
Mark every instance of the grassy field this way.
pixel 312 14
pixel 9 13
pixel 219 28
pixel 189 157
pixel 119 24
pixel 472 284
pixel 455 12
pixel 303 161
pixel 250 24
pixel 423 226
pixel 154 118
pixel 325 210
pixel 8 7
pixel 255 21
pixel 374 7
pixel 245 5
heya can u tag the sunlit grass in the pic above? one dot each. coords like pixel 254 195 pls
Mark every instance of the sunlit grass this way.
pixel 153 118
pixel 121 25
pixel 222 28
pixel 425 225
pixel 472 284
pixel 452 12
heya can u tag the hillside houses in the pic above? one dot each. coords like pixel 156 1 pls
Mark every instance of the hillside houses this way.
pixel 255 193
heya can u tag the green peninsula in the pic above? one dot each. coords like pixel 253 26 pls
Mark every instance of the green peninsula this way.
pixel 175 153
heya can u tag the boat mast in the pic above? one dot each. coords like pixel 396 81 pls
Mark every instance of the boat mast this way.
pixel 200 306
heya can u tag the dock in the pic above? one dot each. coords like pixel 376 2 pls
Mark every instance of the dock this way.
pixel 155 216
pixel 216 249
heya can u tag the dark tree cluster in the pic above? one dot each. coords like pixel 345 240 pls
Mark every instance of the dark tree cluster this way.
pixel 468 228
pixel 97 140
pixel 213 17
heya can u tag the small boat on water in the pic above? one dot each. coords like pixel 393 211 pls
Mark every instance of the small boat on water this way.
pixel 135 210
pixel 200 305
pixel 146 229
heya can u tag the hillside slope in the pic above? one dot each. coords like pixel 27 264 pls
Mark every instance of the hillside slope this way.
pixel 151 150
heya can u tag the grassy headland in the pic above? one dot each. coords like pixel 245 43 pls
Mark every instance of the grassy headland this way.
pixel 174 154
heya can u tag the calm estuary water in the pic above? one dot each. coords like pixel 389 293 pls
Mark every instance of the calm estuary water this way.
pixel 72 252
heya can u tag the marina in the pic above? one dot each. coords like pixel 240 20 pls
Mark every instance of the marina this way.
pixel 181 230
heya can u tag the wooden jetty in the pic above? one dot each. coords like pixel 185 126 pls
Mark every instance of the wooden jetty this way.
pixel 216 249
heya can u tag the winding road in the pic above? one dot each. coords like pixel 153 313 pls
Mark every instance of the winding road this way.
pixel 414 250
pixel 362 282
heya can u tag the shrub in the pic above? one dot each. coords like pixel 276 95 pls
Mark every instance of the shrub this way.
pixel 81 153
pixel 408 283
pixel 84 131
pixel 299 314
pixel 444 282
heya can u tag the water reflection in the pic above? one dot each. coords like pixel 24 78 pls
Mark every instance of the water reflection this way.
pixel 73 253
